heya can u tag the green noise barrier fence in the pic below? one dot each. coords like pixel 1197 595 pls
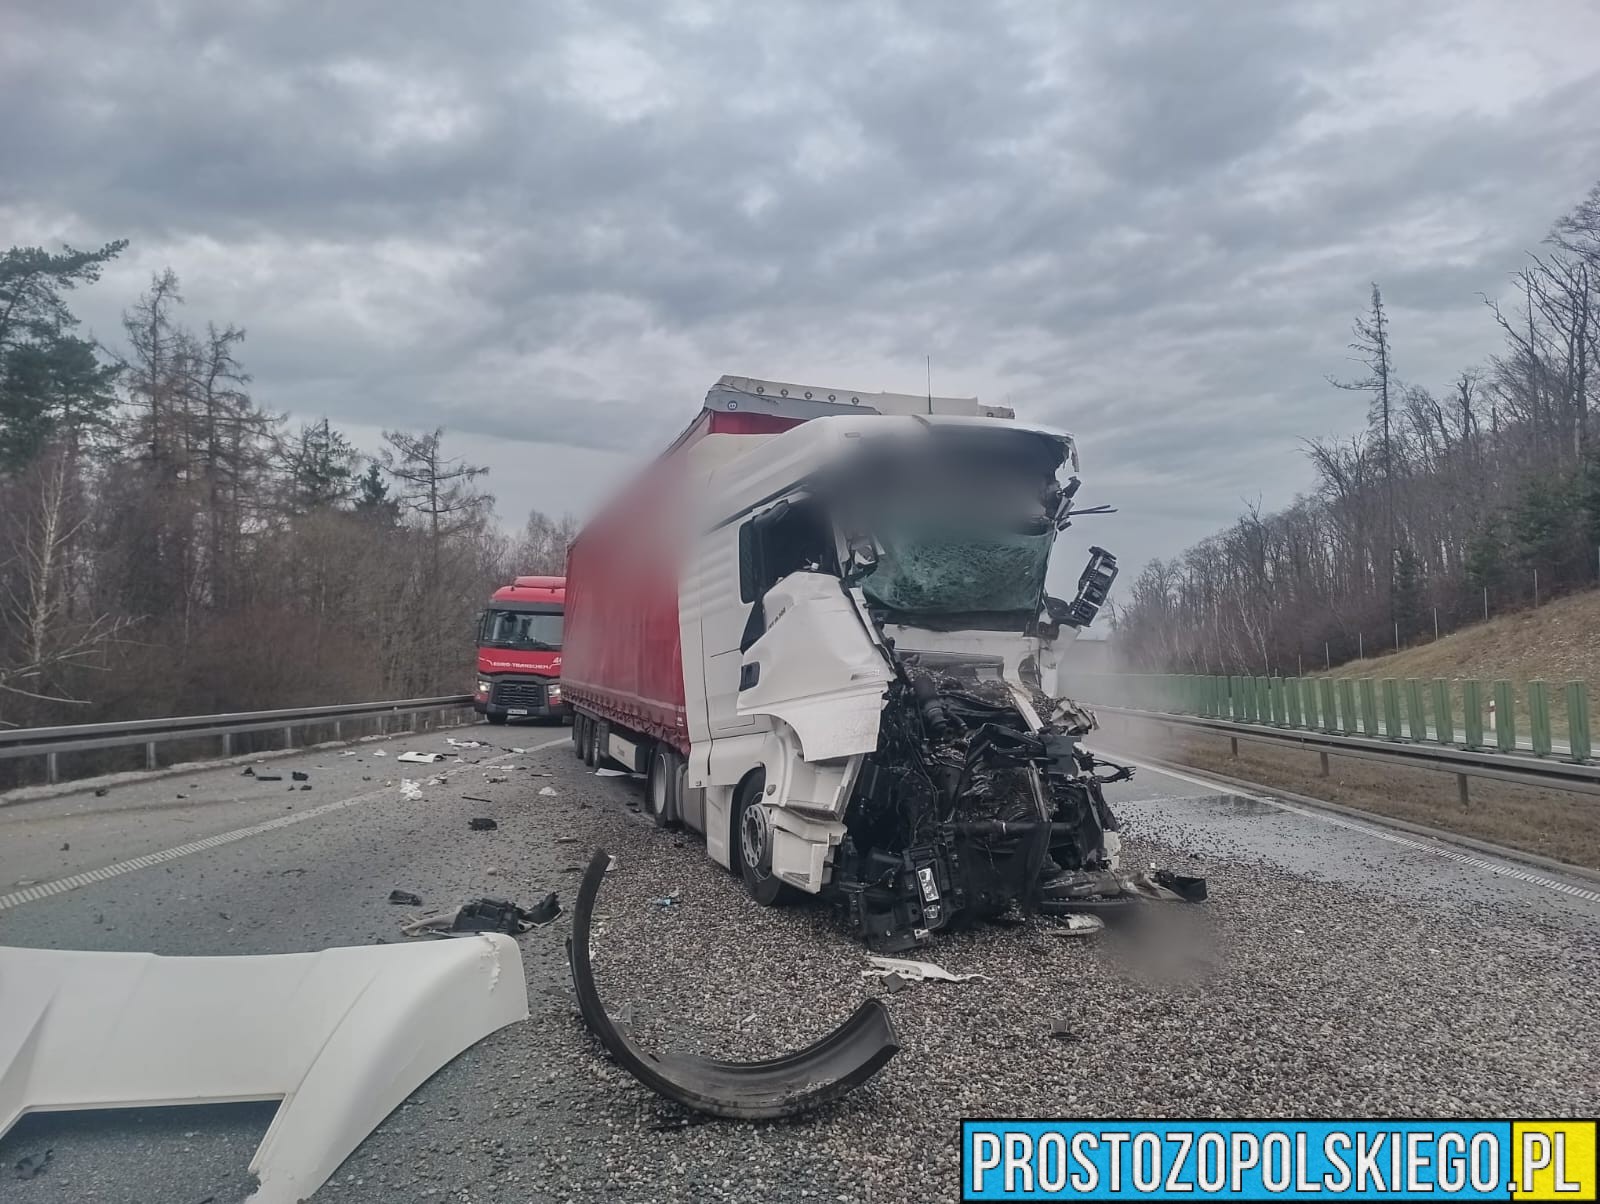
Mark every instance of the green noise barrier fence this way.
pixel 1409 711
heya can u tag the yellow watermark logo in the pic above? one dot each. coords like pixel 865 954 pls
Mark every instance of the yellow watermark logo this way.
pixel 1553 1160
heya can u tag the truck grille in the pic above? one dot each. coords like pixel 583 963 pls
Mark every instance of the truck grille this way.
pixel 518 694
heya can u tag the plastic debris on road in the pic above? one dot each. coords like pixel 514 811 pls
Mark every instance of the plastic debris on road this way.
pixel 1077 925
pixel 485 915
pixel 547 791
pixel 914 971
pixel 612 773
pixel 405 898
pixel 479 823
pixel 420 758
pixel 454 743
pixel 410 789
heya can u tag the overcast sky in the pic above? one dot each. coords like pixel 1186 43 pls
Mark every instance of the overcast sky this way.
pixel 549 226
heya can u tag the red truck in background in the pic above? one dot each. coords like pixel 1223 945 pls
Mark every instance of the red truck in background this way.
pixel 519 651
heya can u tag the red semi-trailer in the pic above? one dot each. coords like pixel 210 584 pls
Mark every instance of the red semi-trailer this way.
pixel 519 651
pixel 623 656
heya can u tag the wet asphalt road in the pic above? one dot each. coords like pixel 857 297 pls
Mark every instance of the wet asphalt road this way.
pixel 1347 971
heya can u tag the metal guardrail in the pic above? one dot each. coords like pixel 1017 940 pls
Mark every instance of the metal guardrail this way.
pixel 1406 710
pixel 51 742
pixel 1386 719
pixel 1463 763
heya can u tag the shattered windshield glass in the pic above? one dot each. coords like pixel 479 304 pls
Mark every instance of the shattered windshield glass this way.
pixel 937 570
pixel 961 521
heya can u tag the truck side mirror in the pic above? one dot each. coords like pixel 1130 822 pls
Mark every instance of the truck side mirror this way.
pixel 1094 585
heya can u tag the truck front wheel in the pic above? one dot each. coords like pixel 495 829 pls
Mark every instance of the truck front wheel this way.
pixel 497 720
pixel 752 839
pixel 661 788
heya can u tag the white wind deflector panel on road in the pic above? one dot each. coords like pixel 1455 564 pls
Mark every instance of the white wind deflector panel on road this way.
pixel 341 1036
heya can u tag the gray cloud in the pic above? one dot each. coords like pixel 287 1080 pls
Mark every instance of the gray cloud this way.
pixel 552 226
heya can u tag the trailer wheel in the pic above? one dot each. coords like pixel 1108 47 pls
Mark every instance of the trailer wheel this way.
pixel 661 787
pixel 591 743
pixel 752 845
pixel 577 736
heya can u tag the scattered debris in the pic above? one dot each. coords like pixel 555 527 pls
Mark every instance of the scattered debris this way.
pixel 495 779
pixel 31 1166
pixel 299 775
pixel 481 823
pixel 65 845
pixel 612 773
pixel 486 915
pixel 307 786
pixel 410 789
pixel 666 900
pixel 611 864
pixel 180 796
pixel 405 898
pixel 1061 1029
pixel 547 791
pixel 1077 925
pixel 1187 887
pixel 102 791
pixel 566 840
pixel 378 752
pixel 269 777
pixel 454 743
pixel 420 758
pixel 788 1085
pixel 248 772
pixel 894 984
pixel 348 753
pixel 472 798
pixel 913 971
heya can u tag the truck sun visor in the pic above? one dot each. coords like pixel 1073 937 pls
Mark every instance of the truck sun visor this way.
pixel 774 1087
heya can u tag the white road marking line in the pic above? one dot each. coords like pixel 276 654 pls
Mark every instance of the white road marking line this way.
pixel 60 886
pixel 1501 868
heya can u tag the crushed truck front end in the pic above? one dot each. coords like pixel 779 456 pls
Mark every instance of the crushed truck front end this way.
pixel 885 735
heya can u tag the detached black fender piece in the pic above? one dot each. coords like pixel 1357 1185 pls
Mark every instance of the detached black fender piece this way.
pixel 776 1087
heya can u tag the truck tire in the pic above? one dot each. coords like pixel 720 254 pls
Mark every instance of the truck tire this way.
pixel 591 743
pixel 752 845
pixel 497 720
pixel 577 736
pixel 661 786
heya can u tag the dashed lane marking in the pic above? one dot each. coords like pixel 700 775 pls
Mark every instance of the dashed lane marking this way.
pixel 1501 868
pixel 60 886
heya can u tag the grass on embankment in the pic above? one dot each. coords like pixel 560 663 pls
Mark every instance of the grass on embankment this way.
pixel 1555 643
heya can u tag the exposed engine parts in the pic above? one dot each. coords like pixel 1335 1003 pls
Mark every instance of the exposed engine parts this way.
pixel 974 804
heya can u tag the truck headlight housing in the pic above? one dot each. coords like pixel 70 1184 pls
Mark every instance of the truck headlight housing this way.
pixel 483 688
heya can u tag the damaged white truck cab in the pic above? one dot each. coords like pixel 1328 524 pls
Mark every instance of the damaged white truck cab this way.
pixel 867 646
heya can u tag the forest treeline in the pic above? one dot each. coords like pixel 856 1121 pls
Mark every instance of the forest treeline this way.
pixel 170 546
pixel 1481 492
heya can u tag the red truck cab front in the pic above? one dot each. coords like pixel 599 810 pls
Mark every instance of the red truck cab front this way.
pixel 519 651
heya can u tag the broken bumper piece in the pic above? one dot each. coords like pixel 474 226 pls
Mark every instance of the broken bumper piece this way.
pixel 341 1037
pixel 762 1090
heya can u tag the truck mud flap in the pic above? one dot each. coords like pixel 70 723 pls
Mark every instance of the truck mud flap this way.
pixel 775 1087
